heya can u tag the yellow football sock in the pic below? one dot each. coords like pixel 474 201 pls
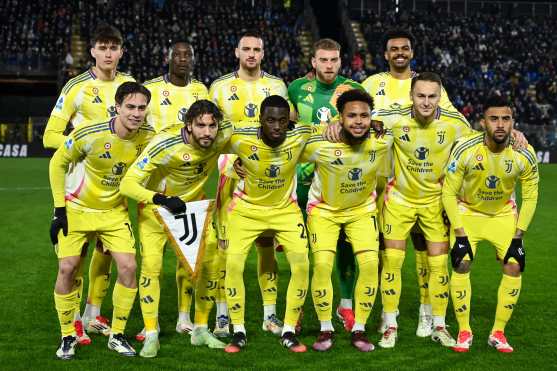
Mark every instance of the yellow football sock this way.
pixel 267 273
pixel 366 285
pixel 507 297
pixel 65 306
pixel 206 290
pixel 461 294
pixel 422 271
pixel 297 287
pixel 438 284
pixel 149 298
pixel 99 277
pixel 321 284
pixel 122 300
pixel 78 285
pixel 235 289
pixel 221 292
pixel 391 280
pixel 185 288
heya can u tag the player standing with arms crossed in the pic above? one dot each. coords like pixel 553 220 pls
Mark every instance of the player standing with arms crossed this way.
pixel 87 98
pixel 478 196
pixel 239 95
pixel 98 209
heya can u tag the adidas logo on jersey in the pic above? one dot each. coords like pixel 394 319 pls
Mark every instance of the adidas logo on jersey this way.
pixel 105 155
pixel 478 166
pixel 166 102
pixel 97 99
pixel 380 92
pixel 405 138
pixel 254 157
pixel 234 97
pixel 338 161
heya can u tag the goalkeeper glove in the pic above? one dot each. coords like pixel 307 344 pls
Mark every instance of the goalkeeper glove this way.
pixel 516 251
pixel 174 204
pixel 59 222
pixel 460 248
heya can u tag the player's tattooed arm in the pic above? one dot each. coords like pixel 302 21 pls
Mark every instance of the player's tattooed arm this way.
pixel 519 141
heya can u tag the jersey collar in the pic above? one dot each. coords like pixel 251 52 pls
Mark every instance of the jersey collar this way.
pixel 111 125
pixel 237 75
pixel 166 78
pixel 437 113
pixel 92 74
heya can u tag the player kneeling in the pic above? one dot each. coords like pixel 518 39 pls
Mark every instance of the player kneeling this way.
pixel 342 197
pixel 98 209
pixel 478 198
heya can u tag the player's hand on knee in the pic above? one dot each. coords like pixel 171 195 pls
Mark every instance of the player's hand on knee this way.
pixel 461 247
pixel 239 168
pixel 59 222
pixel 174 204
pixel 516 251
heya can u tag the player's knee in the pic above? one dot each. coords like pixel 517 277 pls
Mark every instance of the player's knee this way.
pixel 234 266
pixel 67 268
pixel 463 267
pixel 367 262
pixel 299 264
pixel 151 267
pixel 511 269
pixel 323 262
pixel 127 268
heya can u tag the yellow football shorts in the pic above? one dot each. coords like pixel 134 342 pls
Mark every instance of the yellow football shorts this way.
pixel 399 220
pixel 360 228
pixel 111 227
pixel 247 224
pixel 497 230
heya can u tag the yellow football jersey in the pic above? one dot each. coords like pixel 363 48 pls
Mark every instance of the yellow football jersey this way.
pixel 106 158
pixel 420 154
pixel 345 175
pixel 84 99
pixel 173 166
pixel 240 100
pixel 391 93
pixel 169 103
pixel 271 171
pixel 483 182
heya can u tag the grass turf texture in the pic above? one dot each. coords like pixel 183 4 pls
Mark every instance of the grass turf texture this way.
pixel 30 331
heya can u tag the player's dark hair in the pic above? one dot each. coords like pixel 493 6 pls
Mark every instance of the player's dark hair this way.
pixel 130 88
pixel 354 95
pixel 274 101
pixel 180 41
pixel 251 33
pixel 496 100
pixel 426 76
pixel 105 33
pixel 325 44
pixel 398 33
pixel 203 107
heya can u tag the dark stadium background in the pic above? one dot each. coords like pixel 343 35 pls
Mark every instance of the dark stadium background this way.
pixel 478 47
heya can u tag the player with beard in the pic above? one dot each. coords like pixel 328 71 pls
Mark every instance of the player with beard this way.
pixel 342 196
pixel 172 95
pixel 315 102
pixel 478 196
pixel 172 170
pixel 239 96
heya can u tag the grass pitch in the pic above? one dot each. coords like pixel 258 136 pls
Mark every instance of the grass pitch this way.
pixel 30 333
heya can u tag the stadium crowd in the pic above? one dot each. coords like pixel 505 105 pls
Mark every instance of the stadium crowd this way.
pixel 478 55
pixel 148 28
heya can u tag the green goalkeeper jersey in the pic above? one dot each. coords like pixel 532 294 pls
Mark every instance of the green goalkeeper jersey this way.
pixel 315 103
